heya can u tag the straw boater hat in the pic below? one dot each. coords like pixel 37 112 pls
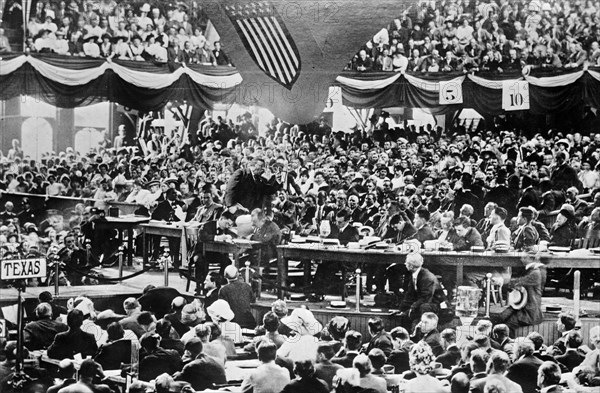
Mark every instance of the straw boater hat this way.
pixel 517 298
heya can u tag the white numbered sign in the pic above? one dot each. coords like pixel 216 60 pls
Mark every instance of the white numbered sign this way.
pixel 450 93
pixel 515 95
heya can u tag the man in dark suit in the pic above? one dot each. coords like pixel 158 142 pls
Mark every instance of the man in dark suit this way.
pixel 426 330
pixel 478 361
pixel 352 344
pixel 239 295
pixel 501 334
pixel 524 370
pixel 424 231
pixel 533 281
pixel 211 231
pixel 40 334
pixel 563 176
pixel 484 226
pixel 268 234
pixel 28 214
pixel 548 378
pixel 74 340
pixel 379 337
pixel 402 345
pixel 467 237
pixel 252 187
pixel 424 293
pixel 165 211
pixel 565 323
pixel 464 195
pixel 496 369
pixel 202 373
pixel 174 52
pixel 342 230
pixel 116 351
pixel 501 195
pixel 525 236
pixel 157 360
pixel 451 355
pixel 326 275
pixel 398 231
pixel 220 56
pixel 529 195
pixel 207 209
pixel 572 357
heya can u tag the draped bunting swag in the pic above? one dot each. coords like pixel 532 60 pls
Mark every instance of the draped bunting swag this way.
pixel 73 81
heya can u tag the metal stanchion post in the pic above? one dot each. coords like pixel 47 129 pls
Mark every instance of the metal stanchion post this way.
pixel 19 364
pixel 247 274
pixel 488 294
pixel 88 251
pixel 166 267
pixel 577 293
pixel 120 263
pixel 358 288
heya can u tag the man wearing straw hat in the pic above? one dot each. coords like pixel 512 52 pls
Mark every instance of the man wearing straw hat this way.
pixel 525 300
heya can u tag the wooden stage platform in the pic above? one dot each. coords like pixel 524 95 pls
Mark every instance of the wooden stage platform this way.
pixel 359 321
pixel 112 296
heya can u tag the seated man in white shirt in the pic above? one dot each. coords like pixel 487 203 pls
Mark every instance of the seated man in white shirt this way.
pixel 268 377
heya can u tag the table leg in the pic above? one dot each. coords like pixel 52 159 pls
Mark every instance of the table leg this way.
pixel 144 248
pixel 307 265
pixel 260 272
pixel 130 246
pixel 459 274
pixel 281 275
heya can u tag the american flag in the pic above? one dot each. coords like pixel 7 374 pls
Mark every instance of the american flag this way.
pixel 267 40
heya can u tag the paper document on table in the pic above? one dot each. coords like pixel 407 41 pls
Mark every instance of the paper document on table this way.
pixel 179 213
pixel 10 313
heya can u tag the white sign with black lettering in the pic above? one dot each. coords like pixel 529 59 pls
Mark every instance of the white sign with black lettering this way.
pixel 515 95
pixel 16 269
pixel 450 92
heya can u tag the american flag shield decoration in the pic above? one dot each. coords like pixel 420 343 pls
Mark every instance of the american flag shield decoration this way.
pixel 267 40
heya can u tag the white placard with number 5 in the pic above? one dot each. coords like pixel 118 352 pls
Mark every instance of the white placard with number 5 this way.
pixel 515 95
pixel 450 92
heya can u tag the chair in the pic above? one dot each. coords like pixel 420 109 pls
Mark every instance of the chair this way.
pixel 496 289
pixel 591 239
pixel 497 282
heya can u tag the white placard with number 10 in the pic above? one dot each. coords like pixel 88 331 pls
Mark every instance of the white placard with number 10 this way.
pixel 450 92
pixel 515 95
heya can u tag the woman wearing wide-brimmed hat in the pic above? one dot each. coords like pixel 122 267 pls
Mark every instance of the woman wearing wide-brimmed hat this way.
pixel 303 345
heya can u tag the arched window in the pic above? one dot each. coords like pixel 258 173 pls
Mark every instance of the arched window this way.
pixel 36 137
pixel 86 139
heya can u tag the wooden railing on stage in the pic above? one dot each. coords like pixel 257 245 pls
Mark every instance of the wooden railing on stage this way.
pixel 60 202
pixel 579 259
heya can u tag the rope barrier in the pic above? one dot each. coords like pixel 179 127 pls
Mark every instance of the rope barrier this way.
pixel 107 279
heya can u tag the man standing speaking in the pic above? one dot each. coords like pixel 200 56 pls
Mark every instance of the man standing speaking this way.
pixel 253 187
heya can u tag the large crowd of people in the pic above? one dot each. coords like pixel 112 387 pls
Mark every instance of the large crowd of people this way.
pixel 109 29
pixel 187 347
pixel 496 36
pixel 489 187
pixel 458 189
pixel 468 36
pixel 461 188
